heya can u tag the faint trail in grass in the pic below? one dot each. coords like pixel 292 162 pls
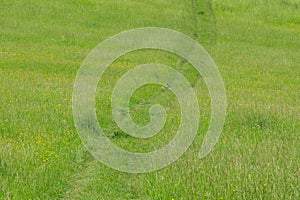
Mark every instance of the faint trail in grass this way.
pixel 199 9
pixel 86 175
pixel 213 21
pixel 86 185
pixel 80 179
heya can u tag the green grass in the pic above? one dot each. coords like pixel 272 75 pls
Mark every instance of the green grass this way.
pixel 256 45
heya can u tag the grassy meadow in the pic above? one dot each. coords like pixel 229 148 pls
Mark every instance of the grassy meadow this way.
pixel 256 46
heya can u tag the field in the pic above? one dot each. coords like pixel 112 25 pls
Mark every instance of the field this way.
pixel 256 46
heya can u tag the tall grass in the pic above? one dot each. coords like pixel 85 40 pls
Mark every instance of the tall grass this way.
pixel 256 47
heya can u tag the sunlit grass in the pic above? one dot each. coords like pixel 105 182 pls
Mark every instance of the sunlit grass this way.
pixel 256 47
